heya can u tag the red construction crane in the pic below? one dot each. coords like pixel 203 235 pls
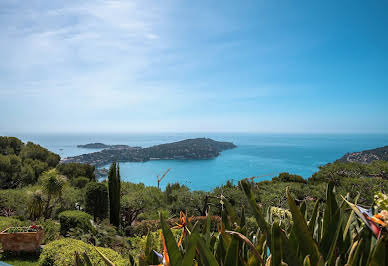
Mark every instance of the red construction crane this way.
pixel 160 179
pixel 253 177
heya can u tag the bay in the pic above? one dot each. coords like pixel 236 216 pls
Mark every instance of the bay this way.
pixel 264 155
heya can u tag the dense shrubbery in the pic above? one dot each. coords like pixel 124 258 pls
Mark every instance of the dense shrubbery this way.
pixel 285 237
pixel 75 219
pixel 143 227
pixel 61 252
pixel 73 170
pixel 21 164
pixel 13 202
pixel 338 170
pixel 287 177
pixel 80 182
pixel 96 200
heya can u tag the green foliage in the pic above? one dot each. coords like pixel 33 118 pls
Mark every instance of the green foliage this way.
pixel 287 177
pixel 6 222
pixel 75 219
pixel 68 200
pixel 96 200
pixel 80 182
pixel 36 204
pixel 10 170
pixel 20 164
pixel 137 200
pixel 52 184
pixel 142 228
pixel 114 194
pixel 339 170
pixel 13 202
pixel 74 170
pixel 381 201
pixel 324 240
pixel 51 230
pixel 10 145
pixel 37 152
pixel 61 252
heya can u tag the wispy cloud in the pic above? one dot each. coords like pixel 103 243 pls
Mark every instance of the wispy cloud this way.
pixel 169 65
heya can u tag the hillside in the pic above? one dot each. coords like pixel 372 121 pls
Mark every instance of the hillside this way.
pixel 366 156
pixel 194 149
pixel 102 146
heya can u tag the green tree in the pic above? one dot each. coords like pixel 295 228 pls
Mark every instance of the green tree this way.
pixel 36 204
pixel 10 168
pixel 53 184
pixel 74 170
pixel 114 194
pixel 96 200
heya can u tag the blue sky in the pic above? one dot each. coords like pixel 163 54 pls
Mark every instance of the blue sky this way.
pixel 189 66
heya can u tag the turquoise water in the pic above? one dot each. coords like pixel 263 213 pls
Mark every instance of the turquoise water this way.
pixel 255 155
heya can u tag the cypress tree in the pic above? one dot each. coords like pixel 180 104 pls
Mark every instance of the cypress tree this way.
pixel 118 195
pixel 114 194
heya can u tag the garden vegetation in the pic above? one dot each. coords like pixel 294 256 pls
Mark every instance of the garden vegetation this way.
pixel 287 219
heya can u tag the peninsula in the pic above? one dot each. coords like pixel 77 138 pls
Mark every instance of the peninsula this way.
pixel 189 149
pixel 366 156
pixel 101 146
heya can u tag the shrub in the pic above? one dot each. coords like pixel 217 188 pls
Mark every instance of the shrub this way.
pixel 73 170
pixel 70 198
pixel 75 219
pixel 286 177
pixel 13 202
pixel 80 182
pixel 61 252
pixel 51 230
pixel 96 200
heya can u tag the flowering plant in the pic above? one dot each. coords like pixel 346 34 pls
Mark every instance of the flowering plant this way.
pixel 32 228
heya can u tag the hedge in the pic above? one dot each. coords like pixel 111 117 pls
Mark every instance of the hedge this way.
pixel 62 252
pixel 75 219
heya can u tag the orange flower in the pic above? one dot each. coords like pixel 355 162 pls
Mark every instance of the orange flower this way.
pixel 376 218
pixel 166 258
pixel 182 225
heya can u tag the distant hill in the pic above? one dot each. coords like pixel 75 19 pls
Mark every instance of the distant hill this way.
pixel 194 149
pixel 366 156
pixel 101 146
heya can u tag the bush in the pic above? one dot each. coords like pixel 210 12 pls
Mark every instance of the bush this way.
pixel 51 230
pixel 13 202
pixel 96 200
pixel 80 182
pixel 286 177
pixel 70 198
pixel 75 219
pixel 62 252
pixel 73 170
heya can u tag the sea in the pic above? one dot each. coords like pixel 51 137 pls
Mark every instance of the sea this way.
pixel 261 155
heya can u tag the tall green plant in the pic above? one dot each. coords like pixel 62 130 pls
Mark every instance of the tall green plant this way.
pixel 114 187
pixel 53 184
pixel 96 200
